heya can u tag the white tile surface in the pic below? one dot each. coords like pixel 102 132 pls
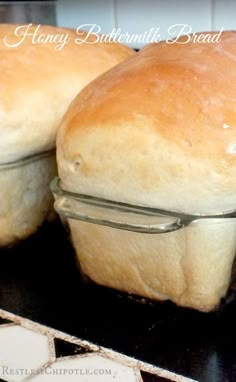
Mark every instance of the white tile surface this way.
pixel 139 16
pixel 20 351
pixel 224 14
pixel 91 368
pixel 73 13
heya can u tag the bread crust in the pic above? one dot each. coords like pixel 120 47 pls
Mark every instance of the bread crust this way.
pixel 38 82
pixel 158 130
pixel 26 200
pixel 162 125
pixel 191 267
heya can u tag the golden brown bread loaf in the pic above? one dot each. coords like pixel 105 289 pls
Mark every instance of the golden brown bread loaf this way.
pixel 159 130
pixel 38 82
pixel 162 123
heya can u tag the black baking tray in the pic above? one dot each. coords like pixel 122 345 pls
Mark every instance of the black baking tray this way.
pixel 40 281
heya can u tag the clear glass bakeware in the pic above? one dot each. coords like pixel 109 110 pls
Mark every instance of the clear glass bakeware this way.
pixel 150 252
pixel 26 160
pixel 122 215
pixel 25 196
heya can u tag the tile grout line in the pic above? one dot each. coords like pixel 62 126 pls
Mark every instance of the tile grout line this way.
pixel 109 353
pixel 138 375
pixel 51 346
pixel 35 326
pixel 7 325
pixel 88 355
pixel 37 371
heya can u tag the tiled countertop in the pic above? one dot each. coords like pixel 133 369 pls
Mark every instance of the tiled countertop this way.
pixel 63 326
pixel 33 352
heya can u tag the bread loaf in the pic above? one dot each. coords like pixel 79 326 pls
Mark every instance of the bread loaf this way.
pixel 159 131
pixel 38 82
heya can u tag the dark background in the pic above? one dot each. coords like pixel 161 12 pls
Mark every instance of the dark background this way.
pixel 39 280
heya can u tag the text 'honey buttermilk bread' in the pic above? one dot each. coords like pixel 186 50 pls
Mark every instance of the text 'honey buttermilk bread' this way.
pixel 38 82
pixel 159 131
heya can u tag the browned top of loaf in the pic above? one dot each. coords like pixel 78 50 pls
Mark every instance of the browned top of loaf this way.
pixel 186 92
pixel 38 82
pixel 30 64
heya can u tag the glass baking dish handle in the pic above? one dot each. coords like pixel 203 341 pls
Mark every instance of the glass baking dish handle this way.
pixel 112 214
pixel 112 217
pixel 126 216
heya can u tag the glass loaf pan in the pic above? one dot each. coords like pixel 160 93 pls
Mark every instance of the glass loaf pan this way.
pixel 156 254
pixel 25 195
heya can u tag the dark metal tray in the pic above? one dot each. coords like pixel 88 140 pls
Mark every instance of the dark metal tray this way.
pixel 40 281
